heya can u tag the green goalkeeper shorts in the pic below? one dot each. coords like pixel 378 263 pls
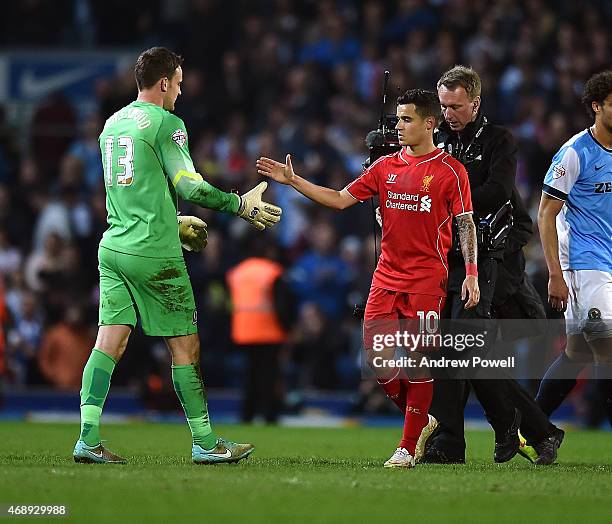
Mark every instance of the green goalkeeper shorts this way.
pixel 157 290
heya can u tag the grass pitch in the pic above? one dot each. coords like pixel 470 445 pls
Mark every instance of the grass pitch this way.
pixel 299 475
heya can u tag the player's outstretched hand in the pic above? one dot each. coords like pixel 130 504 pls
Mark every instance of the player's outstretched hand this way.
pixel 471 291
pixel 192 233
pixel 558 292
pixel 281 173
pixel 257 212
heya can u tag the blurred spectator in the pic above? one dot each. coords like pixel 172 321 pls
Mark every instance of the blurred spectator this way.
pixel 15 289
pixel 318 156
pixel 135 26
pixel 418 53
pixel 411 15
pixel 65 349
pixel 320 275
pixel 24 340
pixel 315 348
pixel 16 218
pixel 33 23
pixel 9 150
pixel 207 271
pixel 10 256
pixel 53 219
pixel 333 45
pixel 87 149
pixel 53 129
pixel 485 46
pixel 3 322
pixel 115 93
pixel 67 215
pixel 195 105
pixel 258 292
pixel 233 90
pixel 43 264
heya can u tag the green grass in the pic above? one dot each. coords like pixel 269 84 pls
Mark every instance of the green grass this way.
pixel 299 475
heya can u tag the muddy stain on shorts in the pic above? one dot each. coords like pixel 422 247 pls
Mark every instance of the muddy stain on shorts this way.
pixel 172 295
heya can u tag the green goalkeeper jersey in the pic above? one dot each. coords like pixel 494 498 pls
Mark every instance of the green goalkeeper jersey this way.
pixel 145 153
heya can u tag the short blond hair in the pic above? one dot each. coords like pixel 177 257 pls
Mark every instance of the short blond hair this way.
pixel 463 76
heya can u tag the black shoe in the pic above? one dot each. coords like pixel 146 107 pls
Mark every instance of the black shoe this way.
pixel 547 451
pixel 437 449
pixel 434 455
pixel 508 445
pixel 558 434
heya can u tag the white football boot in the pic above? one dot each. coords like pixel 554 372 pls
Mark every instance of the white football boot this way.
pixel 400 459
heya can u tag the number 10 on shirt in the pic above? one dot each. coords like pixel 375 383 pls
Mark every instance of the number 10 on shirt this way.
pixel 428 321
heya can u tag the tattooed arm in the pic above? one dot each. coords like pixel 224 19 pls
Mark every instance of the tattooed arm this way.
pixel 467 238
pixel 469 248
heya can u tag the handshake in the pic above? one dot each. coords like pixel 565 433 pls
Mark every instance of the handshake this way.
pixel 260 214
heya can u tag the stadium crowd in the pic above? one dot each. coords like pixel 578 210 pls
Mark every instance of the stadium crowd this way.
pixel 262 79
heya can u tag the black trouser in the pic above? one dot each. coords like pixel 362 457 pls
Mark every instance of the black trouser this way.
pixel 262 383
pixel 499 397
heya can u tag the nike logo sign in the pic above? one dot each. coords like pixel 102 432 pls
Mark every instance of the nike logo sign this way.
pixel 597 168
pixel 97 455
pixel 32 86
pixel 225 455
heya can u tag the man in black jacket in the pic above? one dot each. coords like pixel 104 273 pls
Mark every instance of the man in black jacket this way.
pixel 489 154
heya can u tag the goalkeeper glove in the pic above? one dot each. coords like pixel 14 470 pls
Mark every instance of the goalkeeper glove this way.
pixel 257 212
pixel 192 233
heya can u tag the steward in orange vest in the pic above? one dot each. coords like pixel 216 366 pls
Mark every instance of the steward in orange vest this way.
pixel 257 312
pixel 254 319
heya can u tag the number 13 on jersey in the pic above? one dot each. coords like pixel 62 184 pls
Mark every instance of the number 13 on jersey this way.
pixel 123 168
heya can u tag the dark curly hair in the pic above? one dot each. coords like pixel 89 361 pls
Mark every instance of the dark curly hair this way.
pixel 426 102
pixel 597 88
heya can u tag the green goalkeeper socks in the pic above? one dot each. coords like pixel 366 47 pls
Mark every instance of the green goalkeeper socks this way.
pixel 190 391
pixel 95 386
pixel 187 384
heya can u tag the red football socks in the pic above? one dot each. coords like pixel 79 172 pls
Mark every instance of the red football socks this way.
pixel 418 400
pixel 396 388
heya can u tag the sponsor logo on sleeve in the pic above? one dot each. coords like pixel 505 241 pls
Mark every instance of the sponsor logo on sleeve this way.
pixel 179 137
pixel 594 314
pixel 558 171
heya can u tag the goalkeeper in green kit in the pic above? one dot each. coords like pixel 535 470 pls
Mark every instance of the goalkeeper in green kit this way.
pixel 142 271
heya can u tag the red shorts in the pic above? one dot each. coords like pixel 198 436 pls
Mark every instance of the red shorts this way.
pixel 388 312
pixel 385 304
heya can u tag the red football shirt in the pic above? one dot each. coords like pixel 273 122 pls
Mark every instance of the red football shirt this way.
pixel 418 198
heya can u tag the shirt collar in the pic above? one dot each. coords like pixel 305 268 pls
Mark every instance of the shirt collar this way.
pixel 409 159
